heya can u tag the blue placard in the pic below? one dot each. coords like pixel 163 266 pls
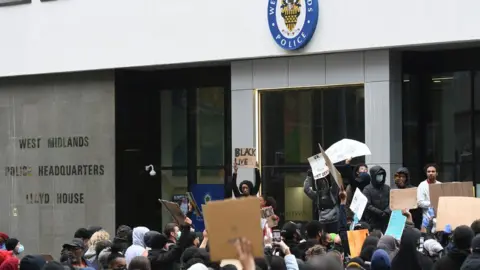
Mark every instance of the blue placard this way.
pixel 396 224
pixel 292 22
pixel 202 193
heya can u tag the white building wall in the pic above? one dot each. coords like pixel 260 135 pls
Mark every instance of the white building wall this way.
pixel 72 35
pixel 378 70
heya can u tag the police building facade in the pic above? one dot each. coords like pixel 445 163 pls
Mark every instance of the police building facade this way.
pixel 93 92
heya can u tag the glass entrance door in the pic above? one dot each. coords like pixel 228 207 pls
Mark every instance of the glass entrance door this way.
pixel 179 122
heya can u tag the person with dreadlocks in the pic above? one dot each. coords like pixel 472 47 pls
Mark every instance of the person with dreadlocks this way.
pixel 246 187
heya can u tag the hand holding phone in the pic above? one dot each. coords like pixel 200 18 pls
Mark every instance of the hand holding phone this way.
pixel 277 237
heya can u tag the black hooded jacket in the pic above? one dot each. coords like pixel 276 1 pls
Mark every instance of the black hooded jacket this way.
pixel 377 213
pixel 472 262
pixel 360 182
pixel 452 261
pixel 408 257
pixel 162 259
pixel 406 172
pixel 417 212
pixel 237 190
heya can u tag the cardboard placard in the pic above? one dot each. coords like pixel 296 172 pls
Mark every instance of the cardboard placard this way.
pixel 194 204
pixel 405 198
pixel 457 211
pixel 335 173
pixel 355 241
pixel 174 210
pixel 318 165
pixel 452 189
pixel 204 209
pixel 246 157
pixel 230 220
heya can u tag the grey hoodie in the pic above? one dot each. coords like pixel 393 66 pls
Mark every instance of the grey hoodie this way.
pixel 325 215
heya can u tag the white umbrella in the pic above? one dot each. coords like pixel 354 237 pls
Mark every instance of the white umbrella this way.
pixel 346 149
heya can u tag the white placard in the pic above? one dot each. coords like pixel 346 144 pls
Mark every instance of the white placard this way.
pixel 319 169
pixel 359 203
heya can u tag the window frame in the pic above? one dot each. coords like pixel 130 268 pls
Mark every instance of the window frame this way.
pixel 285 168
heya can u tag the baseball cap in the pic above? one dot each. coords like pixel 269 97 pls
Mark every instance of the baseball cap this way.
pixel 290 228
pixel 75 243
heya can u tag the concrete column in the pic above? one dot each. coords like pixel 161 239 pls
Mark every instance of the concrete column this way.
pixel 383 110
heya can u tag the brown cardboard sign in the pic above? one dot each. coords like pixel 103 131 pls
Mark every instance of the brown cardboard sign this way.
pixel 457 211
pixel 246 157
pixel 335 173
pixel 230 220
pixel 405 198
pixel 174 210
pixel 452 189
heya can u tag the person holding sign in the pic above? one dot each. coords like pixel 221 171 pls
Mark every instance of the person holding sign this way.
pixel 325 196
pixel 402 181
pixel 246 187
pixel 423 191
pixel 377 213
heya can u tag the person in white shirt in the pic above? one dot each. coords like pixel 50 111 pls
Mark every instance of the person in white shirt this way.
pixel 423 190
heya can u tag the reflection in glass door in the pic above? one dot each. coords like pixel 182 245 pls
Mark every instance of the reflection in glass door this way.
pixel 438 126
pixel 293 122
pixel 193 124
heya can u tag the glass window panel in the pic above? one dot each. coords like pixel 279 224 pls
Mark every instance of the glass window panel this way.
pixel 211 176
pixel 477 130
pixel 210 117
pixel 174 148
pixel 411 127
pixel 286 126
pixel 449 140
pixel 285 185
pixel 294 121
pixel 440 130
pixel 172 186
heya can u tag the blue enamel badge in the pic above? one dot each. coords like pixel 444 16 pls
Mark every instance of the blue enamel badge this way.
pixel 292 22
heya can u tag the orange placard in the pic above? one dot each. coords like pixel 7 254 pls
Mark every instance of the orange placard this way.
pixel 355 241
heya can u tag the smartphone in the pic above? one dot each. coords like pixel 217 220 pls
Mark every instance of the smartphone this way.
pixel 420 244
pixel 277 237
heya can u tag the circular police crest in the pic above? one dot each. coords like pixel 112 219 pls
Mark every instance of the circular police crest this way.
pixel 207 198
pixel 292 22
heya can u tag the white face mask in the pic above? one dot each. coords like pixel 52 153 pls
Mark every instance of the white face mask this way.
pixel 379 178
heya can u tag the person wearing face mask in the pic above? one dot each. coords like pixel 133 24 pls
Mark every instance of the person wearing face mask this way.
pixel 12 244
pixel 173 233
pixel 377 213
pixel 361 180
